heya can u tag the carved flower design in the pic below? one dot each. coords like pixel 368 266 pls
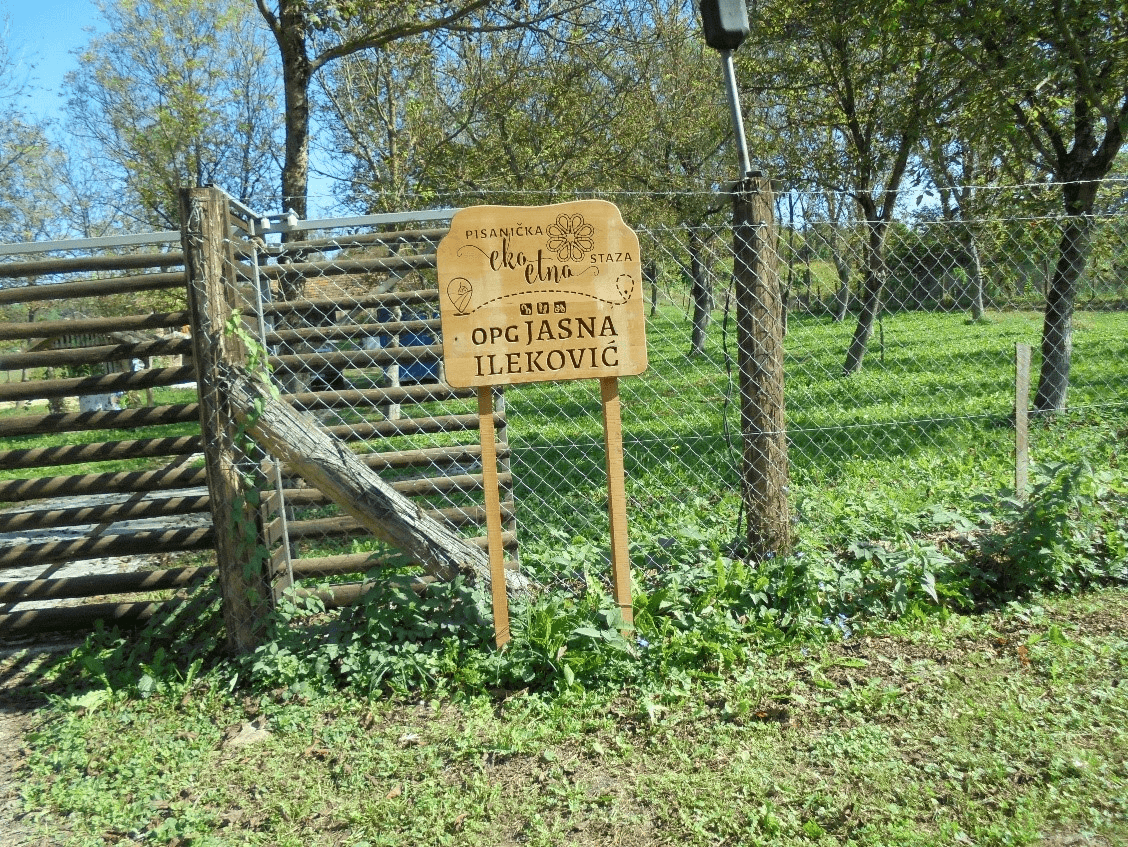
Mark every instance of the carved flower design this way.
pixel 570 238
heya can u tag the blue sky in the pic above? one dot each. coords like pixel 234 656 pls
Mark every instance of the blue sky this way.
pixel 46 33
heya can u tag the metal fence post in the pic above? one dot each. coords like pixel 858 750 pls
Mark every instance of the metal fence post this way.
pixel 211 300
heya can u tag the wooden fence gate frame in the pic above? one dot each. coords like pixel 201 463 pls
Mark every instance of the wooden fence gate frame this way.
pixel 245 275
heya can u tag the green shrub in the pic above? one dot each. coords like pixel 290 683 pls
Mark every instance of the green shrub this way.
pixel 1069 533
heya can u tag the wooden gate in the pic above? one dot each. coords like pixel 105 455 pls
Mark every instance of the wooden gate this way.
pixel 349 325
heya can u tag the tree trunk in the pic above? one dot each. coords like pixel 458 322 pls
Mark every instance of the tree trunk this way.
pixel 759 327
pixel 702 294
pixel 842 268
pixel 976 274
pixel 244 580
pixel 872 299
pixel 297 71
pixel 1057 327
pixel 650 274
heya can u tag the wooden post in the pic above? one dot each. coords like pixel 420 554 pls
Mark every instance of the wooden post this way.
pixel 759 332
pixel 493 515
pixel 1021 418
pixel 616 496
pixel 242 576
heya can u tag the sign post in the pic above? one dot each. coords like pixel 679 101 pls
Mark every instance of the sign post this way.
pixel 540 294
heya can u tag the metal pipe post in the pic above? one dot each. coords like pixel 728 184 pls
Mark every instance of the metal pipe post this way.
pixel 737 117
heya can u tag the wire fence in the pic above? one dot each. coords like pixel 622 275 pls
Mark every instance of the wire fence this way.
pixel 347 313
pixel 350 314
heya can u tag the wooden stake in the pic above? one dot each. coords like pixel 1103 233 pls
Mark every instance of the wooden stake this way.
pixel 616 496
pixel 493 516
pixel 211 298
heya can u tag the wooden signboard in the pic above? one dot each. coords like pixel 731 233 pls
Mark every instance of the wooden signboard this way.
pixel 536 294
pixel 545 293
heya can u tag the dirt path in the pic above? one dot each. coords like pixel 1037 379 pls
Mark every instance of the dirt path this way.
pixel 14 831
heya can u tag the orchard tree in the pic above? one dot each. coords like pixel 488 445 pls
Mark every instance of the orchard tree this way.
pixel 1054 74
pixel 860 76
pixel 173 95
pixel 961 158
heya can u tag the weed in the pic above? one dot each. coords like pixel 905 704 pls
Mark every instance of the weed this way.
pixel 1067 534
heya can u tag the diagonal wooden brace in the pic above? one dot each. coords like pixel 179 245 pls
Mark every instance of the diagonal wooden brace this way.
pixel 328 464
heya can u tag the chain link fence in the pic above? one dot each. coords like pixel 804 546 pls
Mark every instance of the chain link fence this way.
pixel 343 319
pixel 348 311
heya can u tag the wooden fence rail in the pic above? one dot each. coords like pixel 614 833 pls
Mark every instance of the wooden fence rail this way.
pixel 135 510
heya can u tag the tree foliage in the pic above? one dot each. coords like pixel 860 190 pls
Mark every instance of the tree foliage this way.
pixel 28 159
pixel 174 95
pixel 865 84
pixel 1054 78
pixel 311 34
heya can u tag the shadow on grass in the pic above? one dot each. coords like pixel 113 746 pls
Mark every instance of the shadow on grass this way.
pixel 184 631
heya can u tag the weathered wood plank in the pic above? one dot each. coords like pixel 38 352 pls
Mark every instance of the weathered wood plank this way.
pixel 132 544
pixel 330 466
pixel 90 287
pixel 41 389
pixel 168 478
pixel 86 264
pixel 95 355
pixel 378 357
pixel 345 304
pixel 94 585
pixel 50 518
pixel 125 323
pixel 85 421
pixel 244 583
pixel 100 451
pixel 343 332
pixel 406 426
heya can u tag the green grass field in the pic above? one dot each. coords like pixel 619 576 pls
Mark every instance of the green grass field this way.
pixel 936 662
pixel 927 420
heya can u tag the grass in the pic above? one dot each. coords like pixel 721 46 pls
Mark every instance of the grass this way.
pixel 938 662
pixel 1003 728
pixel 929 416
pixel 161 397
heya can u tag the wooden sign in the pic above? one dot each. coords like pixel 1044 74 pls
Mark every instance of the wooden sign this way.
pixel 533 294
pixel 541 293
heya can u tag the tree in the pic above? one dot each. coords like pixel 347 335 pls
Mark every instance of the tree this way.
pixel 174 95
pixel 495 113
pixel 1055 75
pixel 677 132
pixel 857 72
pixel 28 196
pixel 311 34
pixel 634 106
pixel 959 156
pixel 27 156
pixel 382 127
